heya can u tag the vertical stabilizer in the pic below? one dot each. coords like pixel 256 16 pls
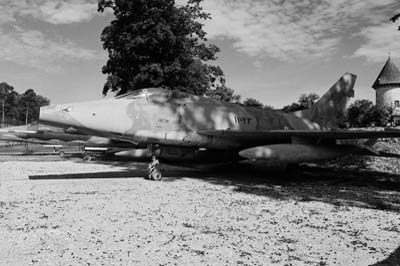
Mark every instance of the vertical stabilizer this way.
pixel 330 109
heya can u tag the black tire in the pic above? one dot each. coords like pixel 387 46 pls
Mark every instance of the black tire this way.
pixel 87 158
pixel 155 175
pixel 61 154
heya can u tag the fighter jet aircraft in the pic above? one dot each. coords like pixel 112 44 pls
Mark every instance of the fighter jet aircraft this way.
pixel 177 126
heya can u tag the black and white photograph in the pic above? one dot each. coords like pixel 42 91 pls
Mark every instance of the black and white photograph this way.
pixel 200 132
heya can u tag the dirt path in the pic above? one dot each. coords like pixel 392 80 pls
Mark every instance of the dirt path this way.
pixel 185 220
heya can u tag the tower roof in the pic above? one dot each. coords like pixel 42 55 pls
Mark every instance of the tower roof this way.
pixel 390 75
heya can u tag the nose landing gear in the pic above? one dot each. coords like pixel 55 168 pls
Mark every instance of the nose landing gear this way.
pixel 86 156
pixel 153 173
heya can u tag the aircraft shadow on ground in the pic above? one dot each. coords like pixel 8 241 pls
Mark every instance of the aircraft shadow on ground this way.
pixel 344 188
pixel 393 259
pixel 367 189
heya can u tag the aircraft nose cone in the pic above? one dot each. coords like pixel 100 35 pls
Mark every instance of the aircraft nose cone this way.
pixel 247 153
pixel 43 113
pixel 51 115
pixel 46 113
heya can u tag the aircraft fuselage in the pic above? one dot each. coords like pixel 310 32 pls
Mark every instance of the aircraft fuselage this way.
pixel 157 116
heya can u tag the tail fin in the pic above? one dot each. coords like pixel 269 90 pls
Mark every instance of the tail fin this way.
pixel 330 109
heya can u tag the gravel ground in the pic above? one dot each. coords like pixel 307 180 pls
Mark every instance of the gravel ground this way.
pixel 187 219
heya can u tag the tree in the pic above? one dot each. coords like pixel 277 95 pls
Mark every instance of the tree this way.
pixel 256 103
pixel 308 100
pixel 357 113
pixel 15 105
pixel 224 94
pixel 381 117
pixel 9 103
pixel 364 113
pixel 395 18
pixel 253 102
pixel 31 102
pixel 292 108
pixel 305 101
pixel 155 43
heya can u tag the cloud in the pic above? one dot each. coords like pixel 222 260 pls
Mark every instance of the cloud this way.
pixel 57 12
pixel 379 40
pixel 31 48
pixel 51 11
pixel 281 29
pixel 290 30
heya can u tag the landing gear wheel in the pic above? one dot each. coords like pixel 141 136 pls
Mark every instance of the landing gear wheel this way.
pixel 87 158
pixel 155 175
pixel 152 172
pixel 61 154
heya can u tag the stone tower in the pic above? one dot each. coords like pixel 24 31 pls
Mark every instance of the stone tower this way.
pixel 387 86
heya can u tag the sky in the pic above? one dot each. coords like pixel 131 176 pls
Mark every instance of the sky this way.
pixel 271 50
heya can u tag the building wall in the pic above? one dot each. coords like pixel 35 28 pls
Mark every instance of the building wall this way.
pixel 387 95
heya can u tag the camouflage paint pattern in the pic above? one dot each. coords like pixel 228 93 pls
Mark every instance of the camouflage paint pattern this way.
pixel 159 116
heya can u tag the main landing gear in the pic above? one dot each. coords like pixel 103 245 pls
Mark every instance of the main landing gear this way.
pixel 86 156
pixel 153 173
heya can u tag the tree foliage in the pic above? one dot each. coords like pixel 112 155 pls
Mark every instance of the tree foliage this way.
pixel 16 105
pixel 156 43
pixel 10 98
pixel 363 113
pixel 305 101
pixel 256 103
pixel 253 102
pixel 30 102
pixel 224 94
pixel 395 18
pixel 308 100
pixel 268 107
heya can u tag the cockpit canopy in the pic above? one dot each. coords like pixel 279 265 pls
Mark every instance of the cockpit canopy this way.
pixel 155 94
